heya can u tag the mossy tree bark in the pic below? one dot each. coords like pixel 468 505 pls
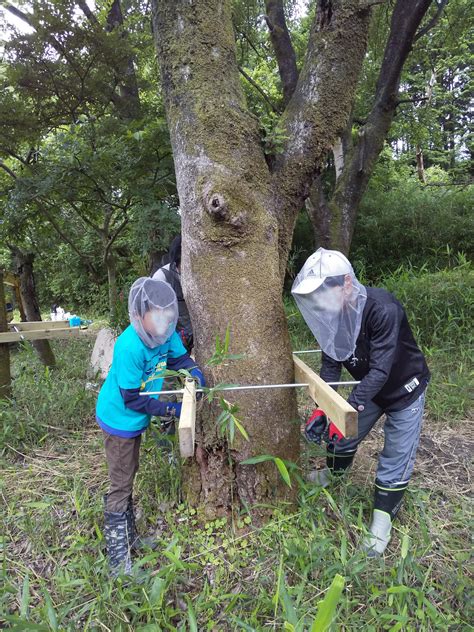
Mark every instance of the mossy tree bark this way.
pixel 238 217
pixel 334 215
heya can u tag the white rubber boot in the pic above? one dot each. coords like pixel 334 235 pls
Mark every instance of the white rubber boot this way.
pixel 320 477
pixel 377 539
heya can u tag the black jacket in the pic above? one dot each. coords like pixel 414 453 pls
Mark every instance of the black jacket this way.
pixel 387 360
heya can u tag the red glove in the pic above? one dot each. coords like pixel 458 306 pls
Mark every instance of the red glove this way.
pixel 318 427
pixel 334 434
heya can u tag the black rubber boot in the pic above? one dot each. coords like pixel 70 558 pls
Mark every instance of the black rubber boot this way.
pixel 336 465
pixel 339 462
pixel 118 542
pixel 387 502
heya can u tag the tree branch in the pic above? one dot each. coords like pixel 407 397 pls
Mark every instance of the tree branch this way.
pixel 319 110
pixel 66 239
pixel 259 90
pixel 85 219
pixel 8 170
pixel 284 51
pixel 414 100
pixel 434 20
pixel 13 155
pixel 114 237
pixel 56 44
pixel 82 4
pixel 360 162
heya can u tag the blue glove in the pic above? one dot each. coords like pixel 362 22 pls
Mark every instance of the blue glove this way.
pixel 198 375
pixel 173 408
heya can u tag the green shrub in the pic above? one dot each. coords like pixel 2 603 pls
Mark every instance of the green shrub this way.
pixel 439 304
pixel 412 224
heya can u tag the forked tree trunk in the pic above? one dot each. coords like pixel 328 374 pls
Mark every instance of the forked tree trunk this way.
pixel 237 220
pixel 24 269
pixel 334 217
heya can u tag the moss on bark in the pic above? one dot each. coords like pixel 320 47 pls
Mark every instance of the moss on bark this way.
pixel 235 217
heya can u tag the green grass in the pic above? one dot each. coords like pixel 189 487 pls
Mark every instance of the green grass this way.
pixel 227 574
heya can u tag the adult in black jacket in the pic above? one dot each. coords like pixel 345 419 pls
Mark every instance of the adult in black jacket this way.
pixel 171 274
pixel 367 331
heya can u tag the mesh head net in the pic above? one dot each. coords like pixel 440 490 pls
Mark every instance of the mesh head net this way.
pixel 153 310
pixel 331 300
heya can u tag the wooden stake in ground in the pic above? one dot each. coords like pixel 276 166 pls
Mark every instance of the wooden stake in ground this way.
pixel 5 375
pixel 187 420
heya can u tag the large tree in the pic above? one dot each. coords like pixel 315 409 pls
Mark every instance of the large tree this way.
pixel 238 213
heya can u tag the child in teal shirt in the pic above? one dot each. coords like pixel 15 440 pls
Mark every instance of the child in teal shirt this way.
pixel 142 353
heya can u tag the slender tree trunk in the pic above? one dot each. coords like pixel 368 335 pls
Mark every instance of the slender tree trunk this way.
pixel 420 167
pixel 5 376
pixel 321 217
pixel 24 269
pixel 112 283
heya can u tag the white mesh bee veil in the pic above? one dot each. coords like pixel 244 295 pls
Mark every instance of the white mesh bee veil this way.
pixel 331 300
pixel 153 310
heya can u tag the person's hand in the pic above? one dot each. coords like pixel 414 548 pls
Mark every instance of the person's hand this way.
pixel 173 409
pixel 316 426
pixel 197 374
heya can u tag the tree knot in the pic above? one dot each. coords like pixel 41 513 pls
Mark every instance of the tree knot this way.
pixel 217 207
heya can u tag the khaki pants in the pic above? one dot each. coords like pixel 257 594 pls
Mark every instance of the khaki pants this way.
pixel 122 461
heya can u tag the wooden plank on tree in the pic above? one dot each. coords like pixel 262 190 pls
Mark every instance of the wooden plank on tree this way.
pixel 39 325
pixel 10 279
pixel 187 420
pixel 38 334
pixel 335 406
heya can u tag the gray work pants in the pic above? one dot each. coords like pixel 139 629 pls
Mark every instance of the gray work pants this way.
pixel 402 434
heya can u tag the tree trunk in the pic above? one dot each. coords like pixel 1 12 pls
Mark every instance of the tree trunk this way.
pixel 322 220
pixel 128 105
pixel 24 269
pixel 230 253
pixel 339 213
pixel 112 283
pixel 420 166
pixel 237 222
pixel 5 376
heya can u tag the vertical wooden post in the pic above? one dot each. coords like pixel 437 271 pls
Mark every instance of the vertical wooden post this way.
pixel 187 420
pixel 5 375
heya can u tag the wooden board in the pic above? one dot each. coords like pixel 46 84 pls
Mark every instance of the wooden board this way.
pixel 187 420
pixel 10 279
pixel 39 325
pixel 335 406
pixel 37 334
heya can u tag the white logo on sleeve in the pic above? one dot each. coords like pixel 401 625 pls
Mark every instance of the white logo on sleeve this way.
pixel 412 385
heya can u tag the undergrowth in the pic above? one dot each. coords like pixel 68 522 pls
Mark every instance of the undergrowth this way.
pixel 232 574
